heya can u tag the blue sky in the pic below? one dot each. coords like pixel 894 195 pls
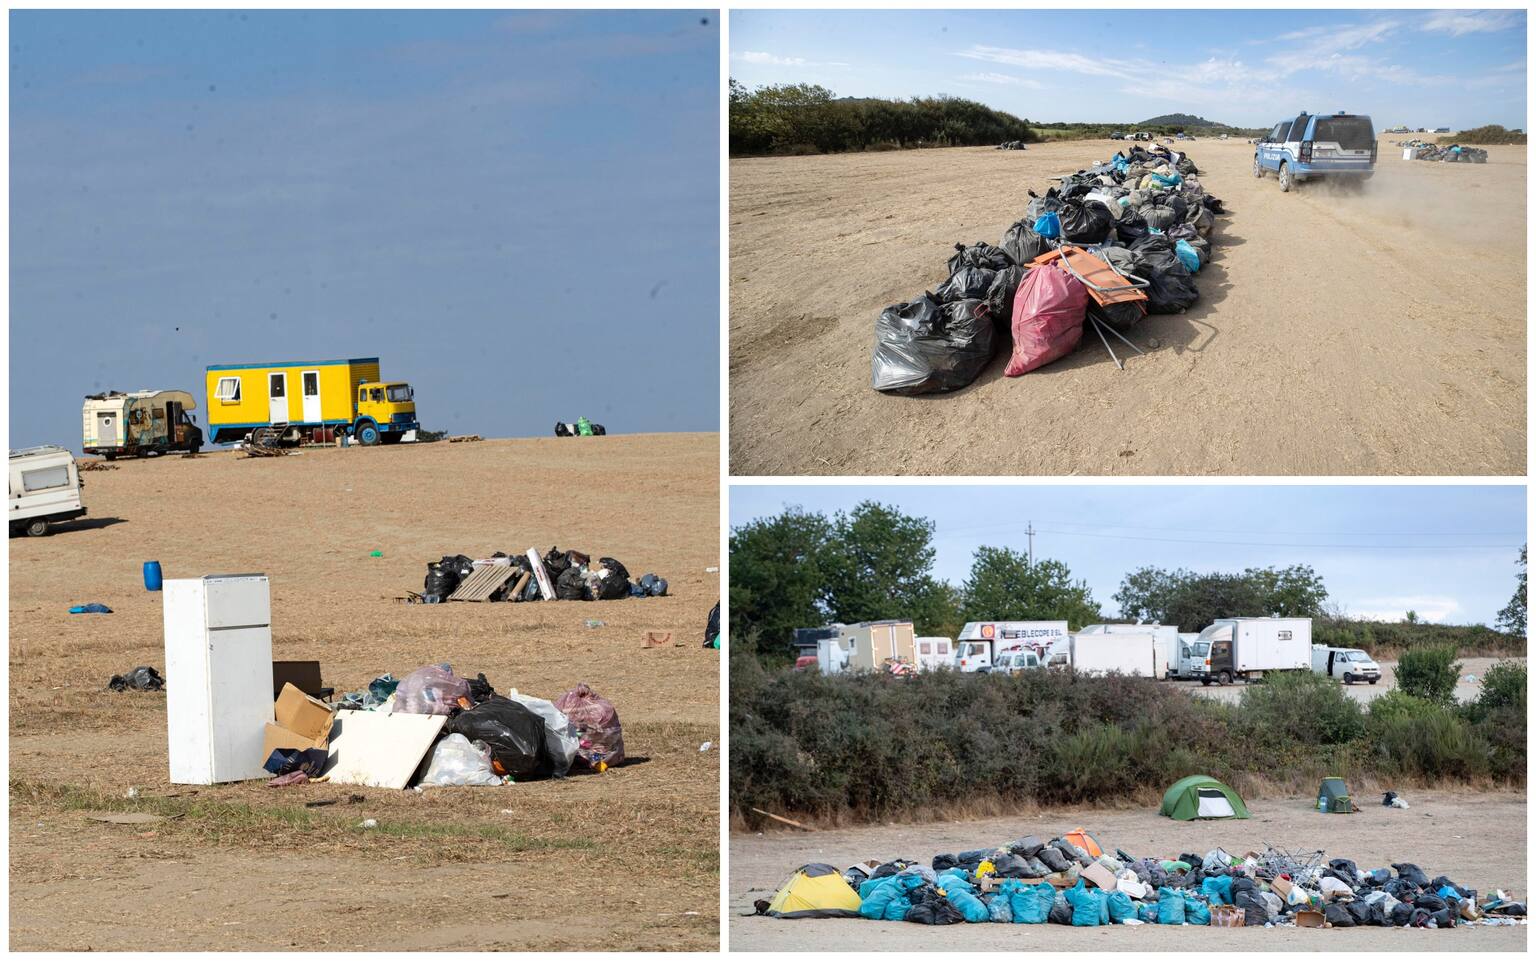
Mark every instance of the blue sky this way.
pixel 1447 552
pixel 1423 68
pixel 517 211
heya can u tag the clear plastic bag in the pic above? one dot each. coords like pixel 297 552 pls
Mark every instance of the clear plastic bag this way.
pixel 459 762
pixel 433 689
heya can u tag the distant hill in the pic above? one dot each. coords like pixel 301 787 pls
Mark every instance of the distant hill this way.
pixel 1184 120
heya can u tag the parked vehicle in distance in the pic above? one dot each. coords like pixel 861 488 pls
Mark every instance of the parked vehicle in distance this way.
pixel 805 662
pixel 1347 664
pixel 45 489
pixel 297 401
pixel 1246 648
pixel 869 646
pixel 981 642
pixel 1192 653
pixel 1103 653
pixel 1339 146
pixel 1168 645
pixel 140 423
pixel 934 653
pixel 1014 662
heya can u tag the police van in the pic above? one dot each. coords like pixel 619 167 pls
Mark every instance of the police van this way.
pixel 1340 146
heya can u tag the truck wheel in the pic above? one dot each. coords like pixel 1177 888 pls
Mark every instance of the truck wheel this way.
pixel 1349 679
pixel 368 434
pixel 1205 682
pixel 1285 178
pixel 1224 678
pixel 109 455
pixel 37 527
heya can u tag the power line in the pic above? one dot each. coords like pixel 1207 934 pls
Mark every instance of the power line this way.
pixel 1201 530
pixel 1341 547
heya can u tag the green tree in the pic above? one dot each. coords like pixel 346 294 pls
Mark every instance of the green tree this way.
pixel 1429 673
pixel 879 566
pixel 1145 594
pixel 1512 617
pixel 1004 586
pixel 1206 597
pixel 1412 617
pixel 1192 600
pixel 777 578
pixel 1295 591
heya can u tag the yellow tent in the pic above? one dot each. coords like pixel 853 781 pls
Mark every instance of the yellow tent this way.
pixel 815 891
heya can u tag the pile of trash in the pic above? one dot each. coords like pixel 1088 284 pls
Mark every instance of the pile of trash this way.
pixel 1013 145
pixel 1071 880
pixel 1454 153
pixel 582 428
pixel 479 738
pixel 557 575
pixel 1101 250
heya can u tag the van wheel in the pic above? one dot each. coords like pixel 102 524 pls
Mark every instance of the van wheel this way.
pixel 109 455
pixel 1224 678
pixel 37 527
pixel 1349 679
pixel 1375 679
pixel 1285 178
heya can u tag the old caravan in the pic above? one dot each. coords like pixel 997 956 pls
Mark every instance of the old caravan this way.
pixel 118 424
pixel 45 489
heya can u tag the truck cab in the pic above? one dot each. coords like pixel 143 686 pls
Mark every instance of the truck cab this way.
pixel 1340 146
pixel 1194 657
pixel 385 411
pixel 1347 664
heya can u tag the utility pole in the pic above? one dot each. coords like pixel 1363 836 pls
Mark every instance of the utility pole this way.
pixel 1030 530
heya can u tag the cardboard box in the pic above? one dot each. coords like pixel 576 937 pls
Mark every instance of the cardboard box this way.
pixel 1282 887
pixel 1099 876
pixel 301 722
pixel 1310 919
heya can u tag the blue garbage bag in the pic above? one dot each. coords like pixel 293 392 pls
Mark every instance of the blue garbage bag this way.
pixel 1187 255
pixel 1088 908
pixel 1449 893
pixel 1196 911
pixel 1172 180
pixel 1147 913
pixel 889 901
pixel 999 909
pixel 104 609
pixel 1170 906
pixel 1049 225
pixel 1217 890
pixel 968 904
pixel 1120 906
pixel 1032 905
pixel 956 876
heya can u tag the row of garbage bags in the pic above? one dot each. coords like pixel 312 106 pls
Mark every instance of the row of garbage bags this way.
pixel 493 738
pixel 572 574
pixel 1143 212
pixel 1031 881
pixel 1454 153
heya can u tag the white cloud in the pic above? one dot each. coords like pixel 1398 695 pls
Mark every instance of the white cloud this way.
pixel 764 59
pixel 1005 79
pixel 1429 607
pixel 1049 60
pixel 1323 40
pixel 1460 22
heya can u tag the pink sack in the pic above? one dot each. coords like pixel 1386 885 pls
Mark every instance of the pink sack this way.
pixel 596 721
pixel 1048 314
pixel 430 690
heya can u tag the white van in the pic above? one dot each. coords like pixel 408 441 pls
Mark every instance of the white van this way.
pixel 1347 664
pixel 45 489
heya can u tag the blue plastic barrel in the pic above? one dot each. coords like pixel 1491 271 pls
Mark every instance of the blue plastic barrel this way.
pixel 151 575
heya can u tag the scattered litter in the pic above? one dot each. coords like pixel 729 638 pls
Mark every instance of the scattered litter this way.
pixel 138 679
pixel 1470 678
pixel 582 428
pixel 1450 154
pixel 594 622
pixel 706 746
pixel 292 777
pixel 375 553
pixel 132 792
pixel 653 638
pixel 369 823
pixel 90 609
pixel 557 575
pixel 711 570
pixel 464 439
pixel 132 817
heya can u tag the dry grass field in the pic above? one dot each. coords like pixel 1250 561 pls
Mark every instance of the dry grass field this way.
pixel 623 860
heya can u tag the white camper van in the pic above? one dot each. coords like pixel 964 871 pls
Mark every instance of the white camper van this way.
pixel 142 422
pixel 45 489
pixel 1347 664
pixel 980 642
pixel 934 653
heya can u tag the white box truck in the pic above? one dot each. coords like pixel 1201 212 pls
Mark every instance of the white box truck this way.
pixel 1102 653
pixel 45 489
pixel 1168 645
pixel 1347 664
pixel 980 642
pixel 1246 648
pixel 870 646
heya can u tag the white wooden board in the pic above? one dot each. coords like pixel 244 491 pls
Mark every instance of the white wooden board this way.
pixel 545 587
pixel 380 750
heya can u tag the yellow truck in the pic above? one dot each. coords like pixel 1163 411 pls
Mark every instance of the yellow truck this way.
pixel 315 401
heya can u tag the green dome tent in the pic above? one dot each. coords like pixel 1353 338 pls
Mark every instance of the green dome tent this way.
pixel 1202 796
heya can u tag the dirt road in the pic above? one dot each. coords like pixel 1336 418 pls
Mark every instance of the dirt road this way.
pixel 625 859
pixel 1381 333
pixel 1476 839
pixel 1365 693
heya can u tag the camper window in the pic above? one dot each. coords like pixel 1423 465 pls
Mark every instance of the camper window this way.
pixel 925 648
pixel 45 478
pixel 228 390
pixel 136 416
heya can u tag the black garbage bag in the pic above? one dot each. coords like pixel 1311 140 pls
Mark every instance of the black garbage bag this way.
pixel 1187 167
pixel 980 254
pixel 1158 213
pixel 1011 866
pixel 598 430
pixel 1035 868
pixel 1401 889
pixel 943 862
pixel 1337 914
pixel 480 689
pixel 1027 846
pixel 1023 244
pixel 1348 869
pixel 1255 911
pixel 1430 902
pixel 1412 874
pixel 1086 222
pixel 931 907
pixel 1444 918
pixel 143 678
pixel 924 346
pixel 571 585
pixel 1005 284
pixel 1072 851
pixel 1053 859
pixel 616 584
pixel 439 582
pixel 562 429
pixel 1172 287
pixel 967 283
pixel 1131 227
pixel 712 629
pixel 514 733
pixel 1441 881
pixel 1211 203
pixel 1360 913
pixel 652 586
pixel 556 561
pixel 1119 316
pixel 1039 206
pixel 1401 914
pixel 1061 910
